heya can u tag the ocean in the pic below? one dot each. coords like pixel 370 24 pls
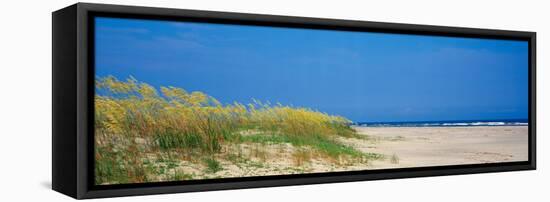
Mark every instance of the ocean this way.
pixel 456 123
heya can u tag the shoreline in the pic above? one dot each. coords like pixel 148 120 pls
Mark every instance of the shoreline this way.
pixel 472 126
pixel 445 123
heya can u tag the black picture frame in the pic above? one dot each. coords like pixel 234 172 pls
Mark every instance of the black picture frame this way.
pixel 73 91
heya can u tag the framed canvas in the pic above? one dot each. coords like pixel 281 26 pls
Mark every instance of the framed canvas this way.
pixel 156 100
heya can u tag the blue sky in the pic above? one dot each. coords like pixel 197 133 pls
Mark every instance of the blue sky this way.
pixel 366 77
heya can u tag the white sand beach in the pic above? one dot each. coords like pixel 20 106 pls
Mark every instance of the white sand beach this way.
pixel 402 147
pixel 436 146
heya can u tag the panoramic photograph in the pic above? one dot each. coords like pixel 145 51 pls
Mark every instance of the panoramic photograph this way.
pixel 179 101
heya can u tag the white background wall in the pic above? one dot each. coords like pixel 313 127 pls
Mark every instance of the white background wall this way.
pixel 25 102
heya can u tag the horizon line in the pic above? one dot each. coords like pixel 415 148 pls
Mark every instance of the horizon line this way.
pixel 447 120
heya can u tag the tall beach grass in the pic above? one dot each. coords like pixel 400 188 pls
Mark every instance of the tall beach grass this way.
pixel 170 119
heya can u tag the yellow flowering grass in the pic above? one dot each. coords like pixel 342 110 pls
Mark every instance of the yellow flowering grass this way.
pixel 172 119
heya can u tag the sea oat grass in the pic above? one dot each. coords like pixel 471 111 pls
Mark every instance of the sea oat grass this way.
pixel 186 125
